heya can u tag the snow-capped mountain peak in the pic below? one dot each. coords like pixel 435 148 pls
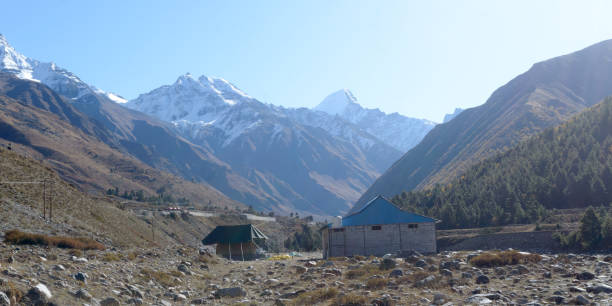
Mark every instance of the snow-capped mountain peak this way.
pixel 337 102
pixel 397 130
pixel 12 61
pixel 57 78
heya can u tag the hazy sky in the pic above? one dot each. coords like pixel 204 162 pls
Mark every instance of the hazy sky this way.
pixel 421 59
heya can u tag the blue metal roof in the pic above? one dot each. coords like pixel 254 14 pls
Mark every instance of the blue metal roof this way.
pixel 381 211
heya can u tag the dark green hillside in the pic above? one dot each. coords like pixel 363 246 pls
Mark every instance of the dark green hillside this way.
pixel 569 166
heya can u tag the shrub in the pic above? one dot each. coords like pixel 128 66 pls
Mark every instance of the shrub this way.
pixel 387 264
pixel 112 257
pixel 376 283
pixel 19 237
pixel 365 270
pixel 503 258
pixel 316 296
pixel 162 278
pixel 349 300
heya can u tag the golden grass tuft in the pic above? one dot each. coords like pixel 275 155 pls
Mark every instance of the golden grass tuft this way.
pixel 503 258
pixel 349 300
pixel 376 283
pixel 112 257
pixel 162 278
pixel 19 237
pixel 364 271
pixel 207 259
pixel 315 296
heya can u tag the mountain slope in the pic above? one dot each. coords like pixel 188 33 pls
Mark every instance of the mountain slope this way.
pixel 548 94
pixel 569 166
pixel 401 132
pixel 44 125
pixel 301 160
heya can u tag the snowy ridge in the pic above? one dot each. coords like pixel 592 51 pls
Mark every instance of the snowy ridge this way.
pixel 57 78
pixel 399 131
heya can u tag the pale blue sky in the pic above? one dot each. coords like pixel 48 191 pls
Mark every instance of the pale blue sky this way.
pixel 421 59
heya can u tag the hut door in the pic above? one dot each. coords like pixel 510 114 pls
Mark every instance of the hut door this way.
pixel 337 239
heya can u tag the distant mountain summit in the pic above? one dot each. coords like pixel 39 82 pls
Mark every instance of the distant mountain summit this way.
pixel 60 80
pixel 398 131
pixel 449 117
pixel 303 160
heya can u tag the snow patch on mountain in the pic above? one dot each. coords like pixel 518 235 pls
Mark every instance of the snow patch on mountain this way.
pixel 399 131
pixel 57 78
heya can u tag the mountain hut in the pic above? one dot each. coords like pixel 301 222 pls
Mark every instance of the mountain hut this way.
pixel 379 228
pixel 236 241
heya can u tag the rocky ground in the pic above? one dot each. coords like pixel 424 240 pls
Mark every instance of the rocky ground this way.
pixel 182 276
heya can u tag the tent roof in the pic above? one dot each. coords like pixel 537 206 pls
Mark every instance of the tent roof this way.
pixel 234 234
pixel 381 211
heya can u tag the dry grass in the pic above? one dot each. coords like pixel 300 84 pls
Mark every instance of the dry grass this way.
pixel 19 237
pixel 208 259
pixel 503 258
pixel 349 300
pixel 12 291
pixel 361 272
pixel 112 257
pixel 376 283
pixel 316 296
pixel 162 278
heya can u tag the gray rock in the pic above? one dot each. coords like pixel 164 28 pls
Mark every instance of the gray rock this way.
pixel 38 295
pixel 427 280
pixel 81 277
pixel 439 298
pixel 135 301
pixel 183 268
pixel 300 269
pixel 585 275
pixel 230 292
pixel 482 279
pixel 396 273
pixel 59 268
pixel 420 263
pixel 478 299
pixel 4 299
pixel 599 289
pixel 328 264
pixel 580 300
pixel 199 301
pixel 446 272
pixel 467 275
pixel 83 294
pixel 557 299
pixel 576 289
pixel 109 302
pixel 135 292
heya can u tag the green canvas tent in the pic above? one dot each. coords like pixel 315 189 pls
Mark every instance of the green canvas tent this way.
pixel 239 240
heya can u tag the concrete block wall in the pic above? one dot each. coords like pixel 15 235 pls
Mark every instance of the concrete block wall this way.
pixel 380 239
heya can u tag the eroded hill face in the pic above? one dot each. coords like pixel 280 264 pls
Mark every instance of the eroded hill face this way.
pixel 43 125
pixel 548 94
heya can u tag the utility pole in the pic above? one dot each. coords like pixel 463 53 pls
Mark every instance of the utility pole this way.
pixel 44 199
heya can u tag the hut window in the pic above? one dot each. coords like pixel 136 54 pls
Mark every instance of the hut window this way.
pixel 413 226
pixel 376 228
pixel 338 230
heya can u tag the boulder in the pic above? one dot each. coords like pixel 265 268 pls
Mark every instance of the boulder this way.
pixel 482 279
pixel 585 275
pixel 396 273
pixel 4 299
pixel 580 300
pixel 230 292
pixel 83 295
pixel 111 301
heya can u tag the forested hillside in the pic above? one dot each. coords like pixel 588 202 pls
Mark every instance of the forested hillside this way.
pixel 569 166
